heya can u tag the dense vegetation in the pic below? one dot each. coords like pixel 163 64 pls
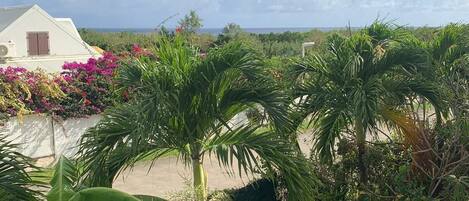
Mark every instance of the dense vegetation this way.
pixel 387 107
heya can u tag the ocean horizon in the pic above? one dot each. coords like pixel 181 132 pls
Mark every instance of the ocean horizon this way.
pixel 216 31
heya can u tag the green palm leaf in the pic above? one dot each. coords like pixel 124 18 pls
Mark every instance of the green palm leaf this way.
pixel 15 183
pixel 64 180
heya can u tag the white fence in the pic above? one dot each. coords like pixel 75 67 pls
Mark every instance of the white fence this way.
pixel 40 136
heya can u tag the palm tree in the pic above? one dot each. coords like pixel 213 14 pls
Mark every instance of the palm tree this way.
pixel 15 183
pixel 449 52
pixel 184 103
pixel 357 84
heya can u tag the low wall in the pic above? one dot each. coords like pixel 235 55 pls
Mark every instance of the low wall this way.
pixel 40 136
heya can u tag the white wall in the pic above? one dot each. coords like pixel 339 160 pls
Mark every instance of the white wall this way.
pixel 67 134
pixel 33 133
pixel 41 136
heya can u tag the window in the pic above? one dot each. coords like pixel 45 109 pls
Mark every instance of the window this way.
pixel 38 43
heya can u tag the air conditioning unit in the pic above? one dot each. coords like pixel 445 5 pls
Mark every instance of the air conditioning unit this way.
pixel 7 49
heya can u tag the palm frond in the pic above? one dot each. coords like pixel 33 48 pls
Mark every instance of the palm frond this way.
pixel 15 183
pixel 246 146
pixel 123 136
pixel 64 181
pixel 329 128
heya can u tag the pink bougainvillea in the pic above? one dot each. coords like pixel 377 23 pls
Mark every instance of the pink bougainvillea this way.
pixel 80 89
pixel 23 91
pixel 88 85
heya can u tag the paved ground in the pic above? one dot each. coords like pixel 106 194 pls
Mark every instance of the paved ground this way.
pixel 168 176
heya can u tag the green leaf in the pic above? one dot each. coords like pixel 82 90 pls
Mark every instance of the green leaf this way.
pixel 64 180
pixel 15 182
pixel 149 198
pixel 102 194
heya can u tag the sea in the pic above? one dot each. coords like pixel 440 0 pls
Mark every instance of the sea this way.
pixel 217 31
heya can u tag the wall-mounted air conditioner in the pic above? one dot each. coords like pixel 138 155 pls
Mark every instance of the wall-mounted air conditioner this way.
pixel 7 50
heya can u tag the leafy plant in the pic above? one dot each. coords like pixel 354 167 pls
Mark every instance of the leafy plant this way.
pixel 353 87
pixel 66 186
pixel 184 102
pixel 15 182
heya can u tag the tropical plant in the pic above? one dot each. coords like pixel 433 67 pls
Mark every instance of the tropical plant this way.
pixel 231 30
pixel 15 182
pixel 23 92
pixel 184 103
pixel 190 23
pixel 88 86
pixel 66 186
pixel 358 84
pixel 449 52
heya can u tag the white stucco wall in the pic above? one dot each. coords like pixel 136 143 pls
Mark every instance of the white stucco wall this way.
pixel 67 134
pixel 33 134
pixel 39 136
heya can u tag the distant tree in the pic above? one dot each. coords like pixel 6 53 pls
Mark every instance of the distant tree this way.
pixel 232 30
pixel 190 23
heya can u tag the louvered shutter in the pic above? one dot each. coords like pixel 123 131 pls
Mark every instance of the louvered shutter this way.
pixel 43 43
pixel 33 44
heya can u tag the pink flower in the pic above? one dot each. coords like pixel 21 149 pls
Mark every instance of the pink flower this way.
pixel 179 29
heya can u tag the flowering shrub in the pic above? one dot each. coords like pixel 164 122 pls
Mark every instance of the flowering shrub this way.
pixel 88 86
pixel 138 51
pixel 81 89
pixel 23 91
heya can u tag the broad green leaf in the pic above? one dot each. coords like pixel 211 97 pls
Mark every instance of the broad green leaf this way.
pixel 149 198
pixel 102 194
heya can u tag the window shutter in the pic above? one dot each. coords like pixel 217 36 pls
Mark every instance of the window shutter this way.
pixel 43 43
pixel 33 44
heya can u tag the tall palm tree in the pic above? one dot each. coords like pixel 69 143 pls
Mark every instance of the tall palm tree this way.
pixel 183 102
pixel 15 183
pixel 357 84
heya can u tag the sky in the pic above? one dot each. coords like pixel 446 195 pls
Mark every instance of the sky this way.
pixel 254 13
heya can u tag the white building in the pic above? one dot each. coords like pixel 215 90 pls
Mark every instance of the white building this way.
pixel 31 38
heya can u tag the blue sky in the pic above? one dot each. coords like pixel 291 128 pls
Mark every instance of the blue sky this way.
pixel 254 13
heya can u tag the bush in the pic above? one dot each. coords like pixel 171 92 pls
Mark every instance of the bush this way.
pixel 81 89
pixel 89 86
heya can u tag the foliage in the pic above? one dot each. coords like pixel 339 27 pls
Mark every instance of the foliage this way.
pixel 190 23
pixel 449 52
pixel 118 42
pixel 23 92
pixel 389 173
pixel 261 190
pixel 65 180
pixel 15 182
pixel 66 186
pixel 81 89
pixel 354 86
pixel 184 102
pixel 88 86
pixel 232 30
